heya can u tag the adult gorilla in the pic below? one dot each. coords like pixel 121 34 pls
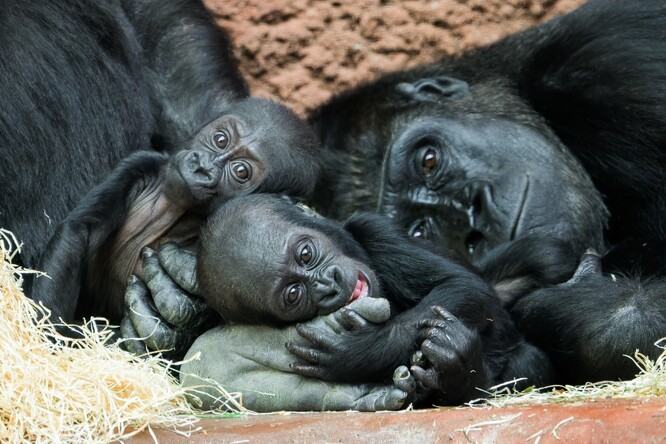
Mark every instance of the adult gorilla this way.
pixel 85 83
pixel 557 131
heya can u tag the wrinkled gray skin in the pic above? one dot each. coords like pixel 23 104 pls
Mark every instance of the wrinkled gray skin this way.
pixel 169 320
pixel 248 359
pixel 261 371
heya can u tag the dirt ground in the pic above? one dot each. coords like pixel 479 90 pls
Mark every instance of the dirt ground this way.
pixel 303 51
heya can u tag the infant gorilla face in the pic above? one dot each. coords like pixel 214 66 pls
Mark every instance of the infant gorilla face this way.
pixel 265 260
pixel 255 145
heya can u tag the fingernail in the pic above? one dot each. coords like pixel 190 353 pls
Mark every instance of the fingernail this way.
pixel 132 279
pixel 148 252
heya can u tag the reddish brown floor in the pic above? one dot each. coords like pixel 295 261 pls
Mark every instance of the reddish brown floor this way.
pixel 616 421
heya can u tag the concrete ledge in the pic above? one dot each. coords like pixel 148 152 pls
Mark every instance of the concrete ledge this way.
pixel 621 421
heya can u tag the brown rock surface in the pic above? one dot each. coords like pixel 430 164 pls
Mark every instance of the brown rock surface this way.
pixel 303 51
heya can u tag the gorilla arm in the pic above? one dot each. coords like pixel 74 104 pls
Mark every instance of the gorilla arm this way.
pixel 78 239
pixel 469 319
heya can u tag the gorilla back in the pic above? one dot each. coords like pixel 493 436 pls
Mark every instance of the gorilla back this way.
pixel 71 104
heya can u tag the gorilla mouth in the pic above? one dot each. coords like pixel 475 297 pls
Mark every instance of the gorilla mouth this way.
pixel 361 288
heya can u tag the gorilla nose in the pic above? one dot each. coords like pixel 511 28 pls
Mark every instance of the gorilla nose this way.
pixel 198 169
pixel 327 289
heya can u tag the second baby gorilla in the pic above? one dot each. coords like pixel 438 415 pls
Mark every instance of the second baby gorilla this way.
pixel 264 260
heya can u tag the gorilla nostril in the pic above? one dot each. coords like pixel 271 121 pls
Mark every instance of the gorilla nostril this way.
pixel 337 275
pixel 477 205
pixel 472 241
pixel 328 298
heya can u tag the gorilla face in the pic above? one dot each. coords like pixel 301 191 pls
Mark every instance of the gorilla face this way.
pixel 255 145
pixel 259 263
pixel 464 168
pixel 471 183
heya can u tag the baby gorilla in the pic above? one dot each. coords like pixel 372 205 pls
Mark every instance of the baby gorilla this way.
pixel 269 261
pixel 264 260
pixel 256 145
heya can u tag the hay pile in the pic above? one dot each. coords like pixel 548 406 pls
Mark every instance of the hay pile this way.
pixel 86 390
pixel 650 381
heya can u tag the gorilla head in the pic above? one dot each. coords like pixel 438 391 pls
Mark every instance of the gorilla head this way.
pixel 255 145
pixel 467 166
pixel 264 259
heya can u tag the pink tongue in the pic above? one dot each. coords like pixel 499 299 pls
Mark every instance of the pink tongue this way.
pixel 358 289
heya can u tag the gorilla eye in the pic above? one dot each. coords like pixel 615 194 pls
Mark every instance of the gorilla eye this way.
pixel 294 293
pixel 418 230
pixel 306 254
pixel 429 161
pixel 220 139
pixel 241 170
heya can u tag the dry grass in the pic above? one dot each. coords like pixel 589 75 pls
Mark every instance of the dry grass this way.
pixel 649 382
pixel 57 390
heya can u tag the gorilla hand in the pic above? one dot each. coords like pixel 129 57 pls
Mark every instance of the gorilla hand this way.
pixel 253 361
pixel 522 265
pixel 321 350
pixel 454 353
pixel 171 319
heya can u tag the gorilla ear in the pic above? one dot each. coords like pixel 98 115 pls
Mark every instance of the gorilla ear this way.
pixel 433 89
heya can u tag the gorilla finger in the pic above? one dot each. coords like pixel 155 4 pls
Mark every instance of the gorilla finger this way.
pixel 147 322
pixel 181 265
pixel 418 359
pixel 427 378
pixel 309 371
pixel 384 398
pixel 304 353
pixel 590 265
pixel 440 357
pixel 172 343
pixel 174 304
pixel 179 308
pixel 457 337
pixel 128 333
pixel 431 323
pixel 404 380
pixel 394 400
pixel 315 337
pixel 439 335
pixel 138 299
pixel 444 314
pixel 353 319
